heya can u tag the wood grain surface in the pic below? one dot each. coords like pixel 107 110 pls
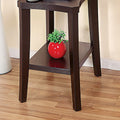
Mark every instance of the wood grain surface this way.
pixel 43 62
pixel 52 5
pixel 49 96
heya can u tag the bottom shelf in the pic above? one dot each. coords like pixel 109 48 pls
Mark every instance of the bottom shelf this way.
pixel 43 62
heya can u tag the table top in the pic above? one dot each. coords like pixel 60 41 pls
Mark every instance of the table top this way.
pixel 58 5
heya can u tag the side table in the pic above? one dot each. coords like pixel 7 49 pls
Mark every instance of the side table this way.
pixel 75 56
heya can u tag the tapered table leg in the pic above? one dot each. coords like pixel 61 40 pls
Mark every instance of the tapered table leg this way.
pixel 94 35
pixel 24 52
pixel 74 60
pixel 49 22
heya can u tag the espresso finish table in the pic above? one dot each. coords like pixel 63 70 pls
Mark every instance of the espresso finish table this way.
pixel 77 53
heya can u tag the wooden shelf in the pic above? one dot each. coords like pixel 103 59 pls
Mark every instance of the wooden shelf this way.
pixel 43 62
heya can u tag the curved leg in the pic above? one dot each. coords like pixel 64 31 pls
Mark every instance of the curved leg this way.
pixel 94 35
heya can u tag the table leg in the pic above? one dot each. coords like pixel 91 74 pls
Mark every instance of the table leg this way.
pixel 94 34
pixel 49 22
pixel 24 52
pixel 74 60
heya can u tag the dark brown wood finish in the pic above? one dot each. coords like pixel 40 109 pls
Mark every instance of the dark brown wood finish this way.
pixel 74 59
pixel 49 22
pixel 24 52
pixel 94 34
pixel 43 62
pixel 52 5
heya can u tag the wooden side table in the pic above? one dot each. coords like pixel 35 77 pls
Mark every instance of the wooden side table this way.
pixel 75 56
